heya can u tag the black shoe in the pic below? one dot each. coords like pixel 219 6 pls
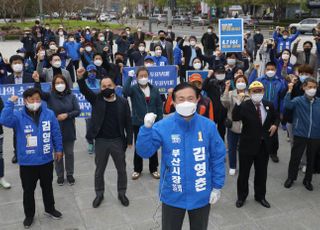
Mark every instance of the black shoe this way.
pixel 97 201
pixel 14 159
pixel 308 185
pixel 54 214
pixel 71 180
pixel 274 158
pixel 239 203
pixel 264 203
pixel 27 222
pixel 60 181
pixel 288 183
pixel 124 200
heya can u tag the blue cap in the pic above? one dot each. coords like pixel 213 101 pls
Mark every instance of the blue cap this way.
pixel 91 67
pixel 21 50
pixel 148 57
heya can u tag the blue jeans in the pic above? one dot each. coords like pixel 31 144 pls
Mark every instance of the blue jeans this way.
pixel 233 140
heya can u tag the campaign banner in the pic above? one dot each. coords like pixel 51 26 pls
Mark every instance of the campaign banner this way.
pixel 6 91
pixel 162 77
pixel 203 73
pixel 231 35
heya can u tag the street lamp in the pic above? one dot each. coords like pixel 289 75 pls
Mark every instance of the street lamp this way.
pixel 150 29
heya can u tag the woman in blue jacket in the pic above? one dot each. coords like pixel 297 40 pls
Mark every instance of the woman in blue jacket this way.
pixel 38 135
pixel 65 105
pixel 192 165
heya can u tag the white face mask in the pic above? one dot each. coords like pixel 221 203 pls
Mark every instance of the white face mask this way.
pixel 143 81
pixel 149 64
pixel 97 62
pixel 169 31
pixel 256 97
pixel 231 61
pixel 42 53
pixel 107 30
pixel 33 106
pixel 311 92
pixel 17 68
pixel 71 39
pixel 270 73
pixel 56 64
pixel 88 48
pixel 220 77
pixel 53 47
pixel 192 43
pixel 186 108
pixel 209 31
pixel 141 48
pixel 241 85
pixel 197 66
pixel 101 39
pixel 139 30
pixel 22 54
pixel 158 53
pixel 285 36
pixel 60 87
pixel 285 56
pixel 60 33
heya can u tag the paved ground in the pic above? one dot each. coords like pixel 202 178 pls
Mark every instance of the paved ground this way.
pixel 293 209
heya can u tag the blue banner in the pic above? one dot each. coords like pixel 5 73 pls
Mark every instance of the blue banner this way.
pixel 162 77
pixel 203 73
pixel 231 35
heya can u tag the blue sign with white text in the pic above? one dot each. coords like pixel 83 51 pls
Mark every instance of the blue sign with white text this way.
pixel 231 35
pixel 162 77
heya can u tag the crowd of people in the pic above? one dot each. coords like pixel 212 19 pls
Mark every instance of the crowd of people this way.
pixel 233 113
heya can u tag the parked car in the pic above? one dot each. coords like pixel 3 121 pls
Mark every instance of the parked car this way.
pixel 197 20
pixel 302 14
pixel 306 25
pixel 268 16
pixel 162 18
pixel 104 18
pixel 181 20
pixel 154 18
pixel 248 20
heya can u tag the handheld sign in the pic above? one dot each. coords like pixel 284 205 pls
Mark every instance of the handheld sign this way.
pixel 231 35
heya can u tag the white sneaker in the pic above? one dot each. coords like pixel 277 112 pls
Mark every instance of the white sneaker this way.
pixel 232 172
pixel 304 169
pixel 4 183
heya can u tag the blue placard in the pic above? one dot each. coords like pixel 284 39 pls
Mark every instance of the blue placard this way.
pixel 203 73
pixel 162 77
pixel 231 35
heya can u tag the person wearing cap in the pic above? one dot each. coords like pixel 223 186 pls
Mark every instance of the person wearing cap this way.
pixel 145 98
pixel 139 55
pixel 275 90
pixel 260 121
pixel 209 41
pixel 214 86
pixel 228 100
pixel 284 40
pixel 166 46
pixel 306 131
pixel 189 51
pixel 112 131
pixel 87 54
pixel 148 61
pixel 306 56
pixel 28 64
pixel 204 106
pixel 29 43
pixel 192 164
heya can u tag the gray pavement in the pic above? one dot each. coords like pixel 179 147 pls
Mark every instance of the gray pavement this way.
pixel 292 209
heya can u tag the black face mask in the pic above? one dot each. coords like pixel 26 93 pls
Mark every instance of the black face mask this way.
pixel 269 46
pixel 118 61
pixel 162 38
pixel 106 93
pixel 124 37
pixel 307 50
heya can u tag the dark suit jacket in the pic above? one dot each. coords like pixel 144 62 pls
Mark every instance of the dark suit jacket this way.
pixel 137 39
pixel 138 57
pixel 26 78
pixel 109 37
pixel 171 37
pixel 187 52
pixel 167 52
pixel 98 112
pixel 253 132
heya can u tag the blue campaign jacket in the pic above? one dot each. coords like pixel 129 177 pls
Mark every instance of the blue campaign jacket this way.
pixel 73 50
pixel 284 43
pixel 177 55
pixel 47 132
pixel 160 61
pixel 306 122
pixel 197 148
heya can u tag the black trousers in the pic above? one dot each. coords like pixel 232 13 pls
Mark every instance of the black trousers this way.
pixel 298 148
pixel 29 177
pixel 105 148
pixel 260 162
pixel 172 218
pixel 275 144
pixel 138 161
pixel 14 143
